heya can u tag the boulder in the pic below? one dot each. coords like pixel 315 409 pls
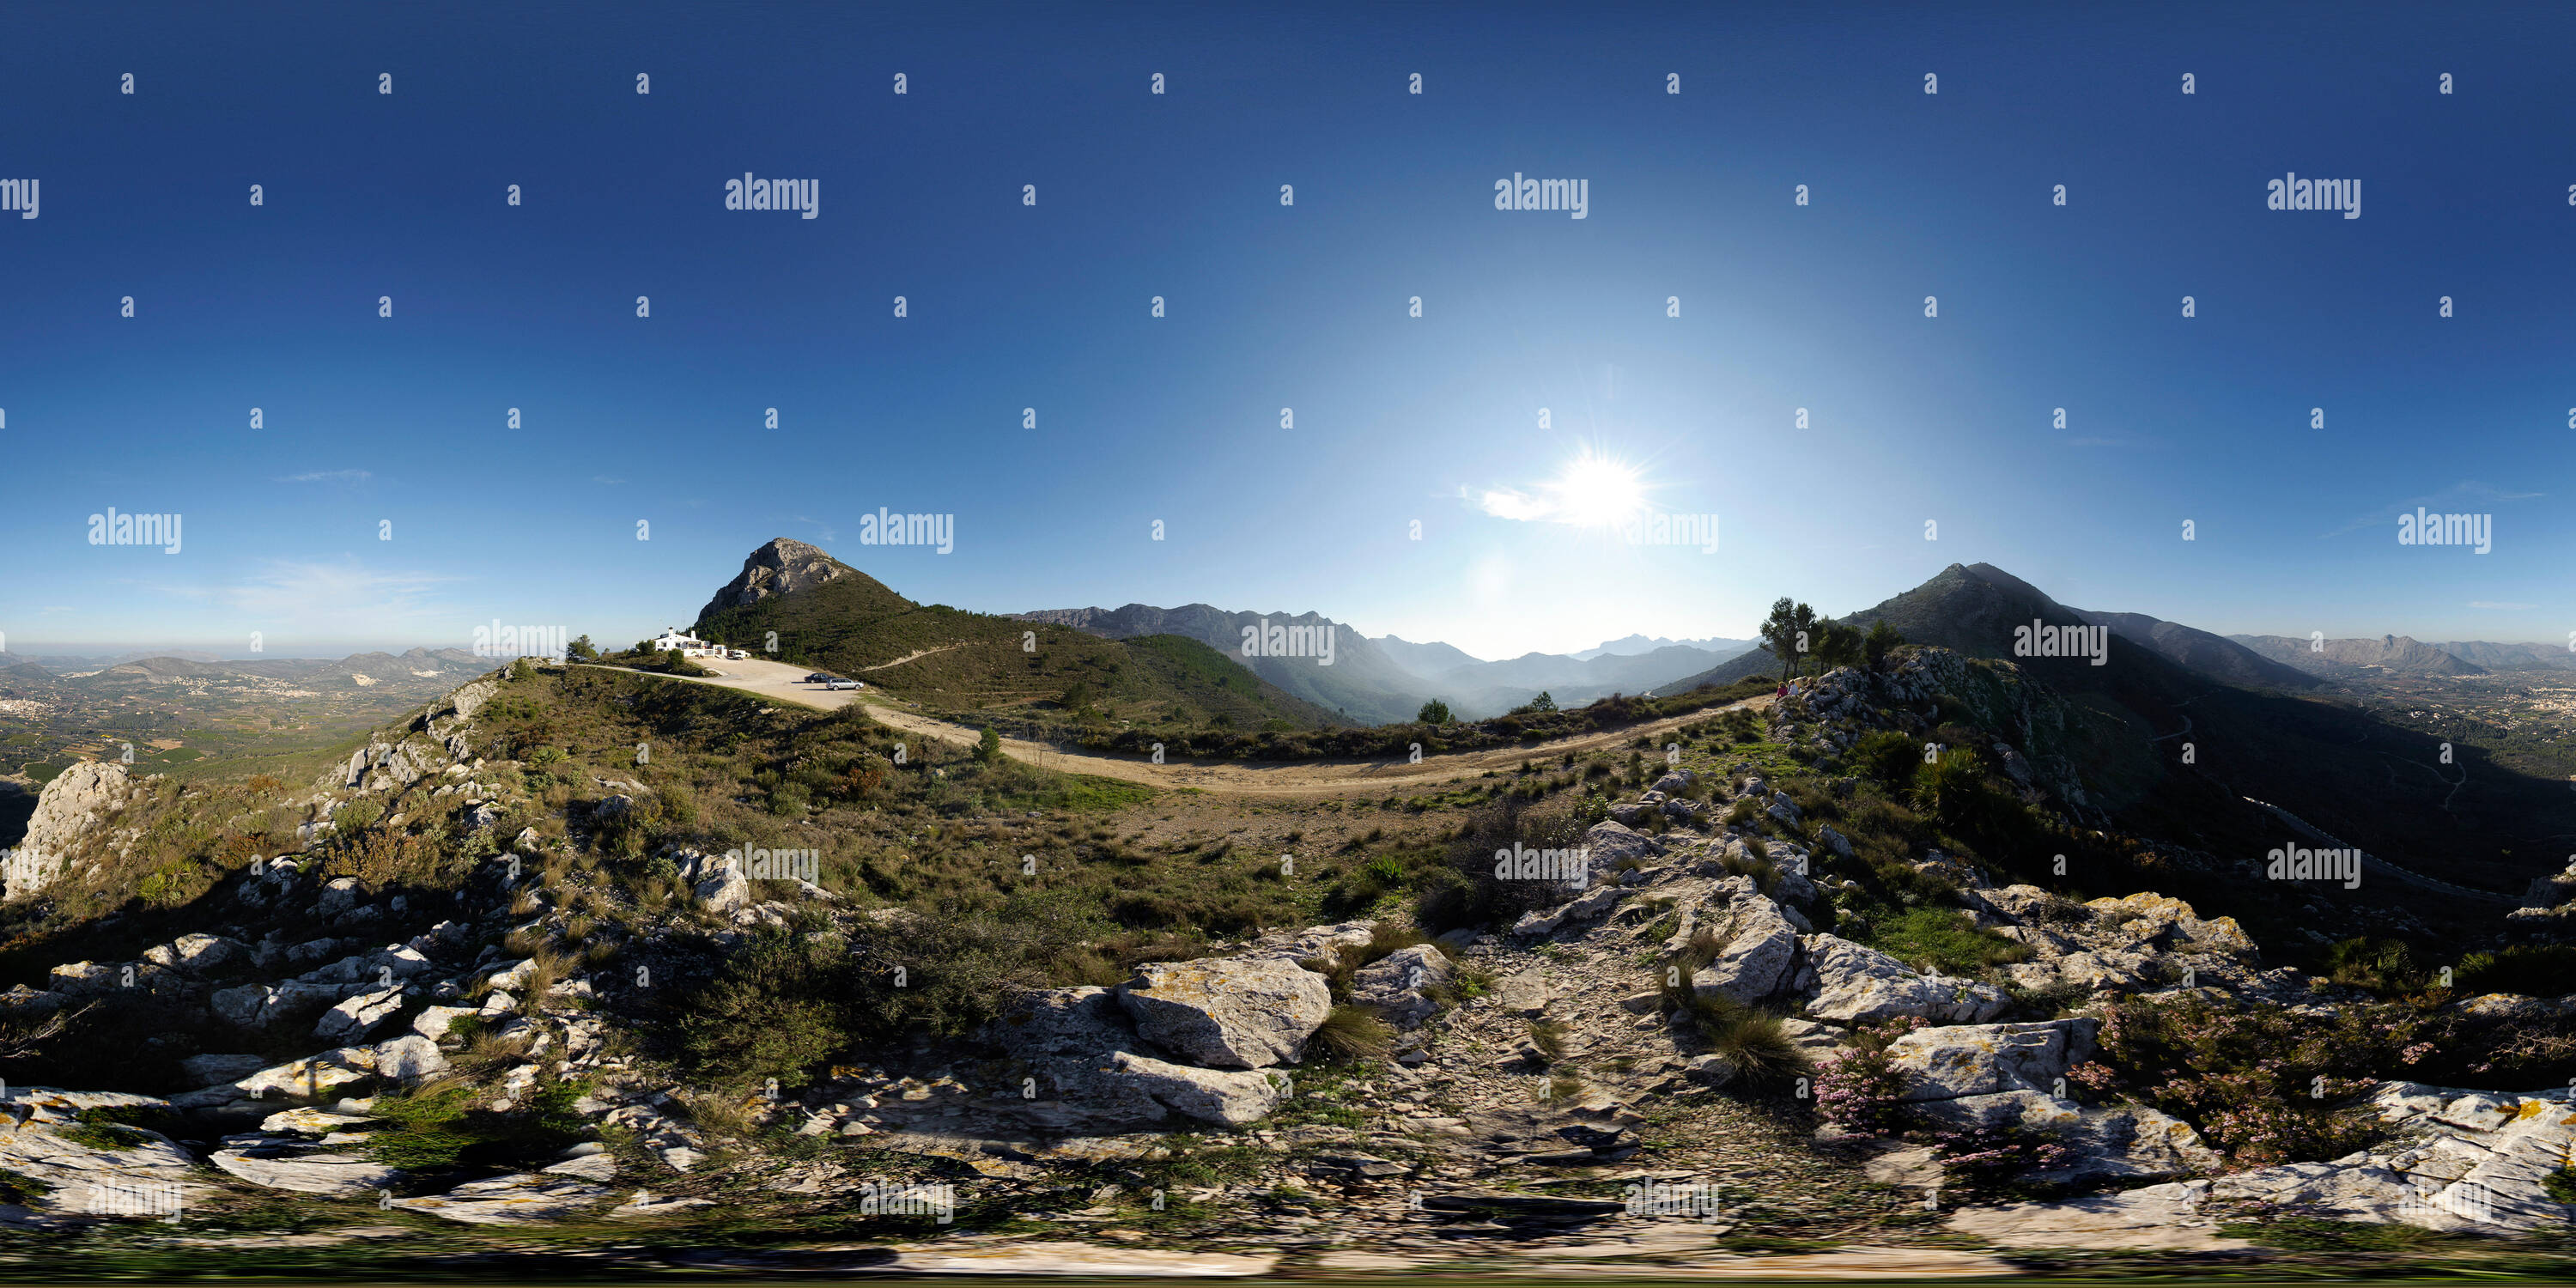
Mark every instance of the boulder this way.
pixel 1084 1022
pixel 409 1058
pixel 1226 1012
pixel 339 895
pixel 1835 841
pixel 1857 985
pixel 432 1021
pixel 1676 782
pixel 1395 984
pixel 1982 1059
pixel 722 887
pixel 147 1176
pixel 519 1199
pixel 1608 844
pixel 84 979
pixel 1230 1098
pixel 195 954
pixel 288 1168
pixel 1754 964
pixel 1587 908
pixel 66 811
pixel 309 1077
pixel 355 1016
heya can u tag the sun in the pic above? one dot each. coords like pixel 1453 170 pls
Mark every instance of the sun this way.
pixel 1598 492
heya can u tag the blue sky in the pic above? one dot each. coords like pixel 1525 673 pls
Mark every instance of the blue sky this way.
pixel 370 420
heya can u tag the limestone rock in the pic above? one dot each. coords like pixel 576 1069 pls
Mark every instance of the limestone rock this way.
pixel 195 954
pixel 1981 1059
pixel 305 1173
pixel 1084 1022
pixel 1209 1095
pixel 518 1199
pixel 781 567
pixel 72 804
pixel 1228 1013
pixel 1754 964
pixel 1857 985
pixel 353 1017
pixel 1395 984
pixel 409 1058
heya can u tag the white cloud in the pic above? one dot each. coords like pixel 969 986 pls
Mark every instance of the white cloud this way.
pixel 2499 603
pixel 329 476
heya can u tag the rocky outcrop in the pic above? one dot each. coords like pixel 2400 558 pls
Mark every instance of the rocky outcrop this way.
pixel 290 1165
pixel 1760 948
pixel 782 567
pixel 1399 985
pixel 518 1199
pixel 75 802
pixel 1209 1095
pixel 1226 1012
pixel 147 1176
pixel 1856 985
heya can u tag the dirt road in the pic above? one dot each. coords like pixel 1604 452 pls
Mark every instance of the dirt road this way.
pixel 1297 778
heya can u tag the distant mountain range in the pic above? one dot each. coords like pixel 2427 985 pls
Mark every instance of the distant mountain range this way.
pixel 165 668
pixel 2399 654
pixel 1386 679
pixel 1633 645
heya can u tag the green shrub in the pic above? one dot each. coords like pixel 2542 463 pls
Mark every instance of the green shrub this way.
pixel 773 1011
pixel 1952 789
pixel 1886 756
pixel 1355 1033
pixel 1944 939
pixel 2541 970
pixel 2379 965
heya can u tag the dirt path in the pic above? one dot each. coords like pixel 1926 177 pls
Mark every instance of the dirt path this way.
pixel 916 653
pixel 1296 778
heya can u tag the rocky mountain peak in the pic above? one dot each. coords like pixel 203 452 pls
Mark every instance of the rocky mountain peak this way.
pixel 781 567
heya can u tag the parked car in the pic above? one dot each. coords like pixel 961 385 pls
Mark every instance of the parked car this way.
pixel 838 683
pixel 818 677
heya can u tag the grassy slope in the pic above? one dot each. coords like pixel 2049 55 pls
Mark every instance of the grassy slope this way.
pixel 973 661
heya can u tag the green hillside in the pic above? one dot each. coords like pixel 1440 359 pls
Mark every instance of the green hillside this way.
pixel 959 662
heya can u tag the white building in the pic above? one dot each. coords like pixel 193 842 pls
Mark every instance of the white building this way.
pixel 672 637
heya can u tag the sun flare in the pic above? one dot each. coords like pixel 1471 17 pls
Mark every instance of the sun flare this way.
pixel 1596 491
